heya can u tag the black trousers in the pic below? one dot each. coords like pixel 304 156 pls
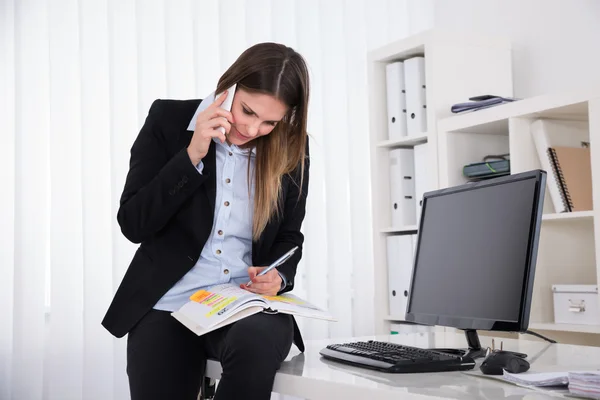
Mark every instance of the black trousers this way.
pixel 165 360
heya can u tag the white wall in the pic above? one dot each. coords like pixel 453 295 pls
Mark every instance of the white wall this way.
pixel 555 42
pixel 76 80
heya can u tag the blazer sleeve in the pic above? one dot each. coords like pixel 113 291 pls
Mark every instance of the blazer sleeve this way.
pixel 289 234
pixel 157 183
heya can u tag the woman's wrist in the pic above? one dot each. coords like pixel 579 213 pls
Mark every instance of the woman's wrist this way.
pixel 193 157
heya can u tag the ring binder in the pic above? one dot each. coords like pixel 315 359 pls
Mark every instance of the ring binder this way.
pixel 559 134
pixel 560 180
pixel 572 170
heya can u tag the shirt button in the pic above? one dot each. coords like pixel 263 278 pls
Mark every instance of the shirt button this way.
pixel 230 153
pixel 227 180
pixel 220 233
pixel 218 251
pixel 226 204
pixel 226 271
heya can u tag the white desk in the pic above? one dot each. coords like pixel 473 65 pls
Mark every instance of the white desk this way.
pixel 311 377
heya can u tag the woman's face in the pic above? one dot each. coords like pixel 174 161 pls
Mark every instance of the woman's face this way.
pixel 254 115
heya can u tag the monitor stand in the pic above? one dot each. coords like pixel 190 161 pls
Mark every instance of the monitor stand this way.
pixel 474 349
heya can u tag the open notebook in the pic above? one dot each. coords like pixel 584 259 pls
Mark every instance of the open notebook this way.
pixel 221 305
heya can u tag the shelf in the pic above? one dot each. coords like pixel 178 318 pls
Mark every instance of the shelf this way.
pixel 565 327
pixel 408 141
pixel 494 120
pixel 456 65
pixel 394 318
pixel 403 229
pixel 575 215
pixel 416 45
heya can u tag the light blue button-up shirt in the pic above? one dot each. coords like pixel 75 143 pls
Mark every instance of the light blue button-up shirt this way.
pixel 227 253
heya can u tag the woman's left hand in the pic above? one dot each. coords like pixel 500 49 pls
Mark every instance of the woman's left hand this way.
pixel 268 284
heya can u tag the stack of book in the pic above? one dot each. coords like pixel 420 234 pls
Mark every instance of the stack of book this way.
pixel 583 384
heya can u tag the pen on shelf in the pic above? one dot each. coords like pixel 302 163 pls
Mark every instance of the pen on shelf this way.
pixel 276 263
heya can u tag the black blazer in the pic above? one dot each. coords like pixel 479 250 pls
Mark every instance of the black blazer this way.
pixel 168 207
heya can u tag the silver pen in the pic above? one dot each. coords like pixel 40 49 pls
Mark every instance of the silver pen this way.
pixel 276 263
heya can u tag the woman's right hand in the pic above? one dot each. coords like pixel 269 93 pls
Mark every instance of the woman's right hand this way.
pixel 206 128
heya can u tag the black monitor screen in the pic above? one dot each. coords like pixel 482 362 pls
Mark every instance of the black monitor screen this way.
pixel 474 253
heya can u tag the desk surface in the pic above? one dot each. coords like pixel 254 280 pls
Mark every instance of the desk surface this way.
pixel 310 376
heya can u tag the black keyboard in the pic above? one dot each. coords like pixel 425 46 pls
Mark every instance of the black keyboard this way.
pixel 391 357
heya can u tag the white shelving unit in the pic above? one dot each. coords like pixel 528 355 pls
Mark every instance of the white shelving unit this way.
pixel 569 242
pixel 407 229
pixel 456 67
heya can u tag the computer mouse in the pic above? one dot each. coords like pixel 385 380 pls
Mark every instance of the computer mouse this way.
pixel 498 361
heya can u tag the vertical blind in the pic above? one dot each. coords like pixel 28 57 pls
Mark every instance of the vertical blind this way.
pixel 77 78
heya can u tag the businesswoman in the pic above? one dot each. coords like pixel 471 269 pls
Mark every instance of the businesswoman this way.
pixel 209 208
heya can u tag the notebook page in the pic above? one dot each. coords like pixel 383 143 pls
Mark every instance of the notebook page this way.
pixel 576 168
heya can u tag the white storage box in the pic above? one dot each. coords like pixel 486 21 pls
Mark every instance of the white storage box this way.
pixel 576 304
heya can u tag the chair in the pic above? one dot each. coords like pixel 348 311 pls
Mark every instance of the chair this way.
pixel 208 386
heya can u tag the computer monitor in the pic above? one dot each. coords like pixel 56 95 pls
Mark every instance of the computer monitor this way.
pixel 476 252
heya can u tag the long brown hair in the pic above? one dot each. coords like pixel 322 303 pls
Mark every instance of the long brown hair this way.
pixel 277 70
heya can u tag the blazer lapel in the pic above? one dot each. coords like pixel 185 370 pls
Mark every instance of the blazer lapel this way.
pixel 203 201
pixel 210 168
pixel 203 209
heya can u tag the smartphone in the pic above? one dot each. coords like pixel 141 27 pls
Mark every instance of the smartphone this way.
pixel 227 103
pixel 482 97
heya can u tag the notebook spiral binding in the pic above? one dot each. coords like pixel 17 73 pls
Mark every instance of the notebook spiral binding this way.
pixel 564 192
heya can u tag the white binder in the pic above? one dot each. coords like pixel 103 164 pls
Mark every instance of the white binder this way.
pixel 396 100
pixel 402 187
pixel 421 176
pixel 400 264
pixel 414 81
